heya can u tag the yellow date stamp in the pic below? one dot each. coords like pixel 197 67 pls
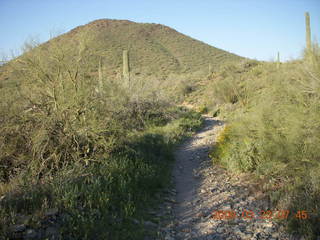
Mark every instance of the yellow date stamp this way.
pixel 262 214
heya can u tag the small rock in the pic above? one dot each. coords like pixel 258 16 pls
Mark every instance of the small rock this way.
pixel 220 230
pixel 237 231
pixel 18 228
pixel 135 221
pixel 258 235
pixel 268 224
pixel 213 190
pixel 150 224
pixel 173 193
pixel 30 234
pixel 170 200
pixel 246 236
pixel 226 207
pixel 168 237
pixel 251 199
pixel 268 230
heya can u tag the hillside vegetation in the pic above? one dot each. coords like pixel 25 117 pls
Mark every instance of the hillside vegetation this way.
pixel 273 132
pixel 78 138
pixel 81 158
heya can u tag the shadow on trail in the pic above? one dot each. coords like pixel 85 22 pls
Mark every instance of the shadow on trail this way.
pixel 203 189
pixel 188 158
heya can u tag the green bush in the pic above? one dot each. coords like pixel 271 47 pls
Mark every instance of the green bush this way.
pixel 203 109
pixel 98 154
pixel 277 137
pixel 110 191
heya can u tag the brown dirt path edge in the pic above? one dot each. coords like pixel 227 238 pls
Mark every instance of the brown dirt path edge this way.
pixel 187 179
pixel 201 188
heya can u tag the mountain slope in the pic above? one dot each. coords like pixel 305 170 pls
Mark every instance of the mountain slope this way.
pixel 154 49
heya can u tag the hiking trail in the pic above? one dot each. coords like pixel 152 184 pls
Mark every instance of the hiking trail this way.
pixel 201 188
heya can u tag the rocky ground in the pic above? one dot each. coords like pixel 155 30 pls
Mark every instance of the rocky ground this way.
pixel 201 188
pixel 48 227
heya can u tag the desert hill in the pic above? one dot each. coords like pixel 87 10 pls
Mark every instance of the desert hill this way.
pixel 154 49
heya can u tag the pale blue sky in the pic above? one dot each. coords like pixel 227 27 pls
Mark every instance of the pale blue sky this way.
pixel 251 28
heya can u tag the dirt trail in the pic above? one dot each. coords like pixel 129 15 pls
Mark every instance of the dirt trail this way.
pixel 201 188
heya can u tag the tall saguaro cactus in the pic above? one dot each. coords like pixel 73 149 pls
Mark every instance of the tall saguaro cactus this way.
pixel 278 60
pixel 126 69
pixel 308 32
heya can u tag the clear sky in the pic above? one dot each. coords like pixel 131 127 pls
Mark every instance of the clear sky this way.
pixel 251 28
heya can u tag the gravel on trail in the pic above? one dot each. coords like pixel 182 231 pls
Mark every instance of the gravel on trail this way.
pixel 200 188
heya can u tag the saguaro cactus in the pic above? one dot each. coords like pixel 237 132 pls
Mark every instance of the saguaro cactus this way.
pixel 278 60
pixel 126 69
pixel 308 32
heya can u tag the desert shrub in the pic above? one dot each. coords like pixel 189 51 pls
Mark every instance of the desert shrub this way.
pixel 227 85
pixel 216 112
pixel 226 91
pixel 276 136
pixel 64 115
pixel 111 191
pixel 56 122
pixel 97 152
pixel 203 109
